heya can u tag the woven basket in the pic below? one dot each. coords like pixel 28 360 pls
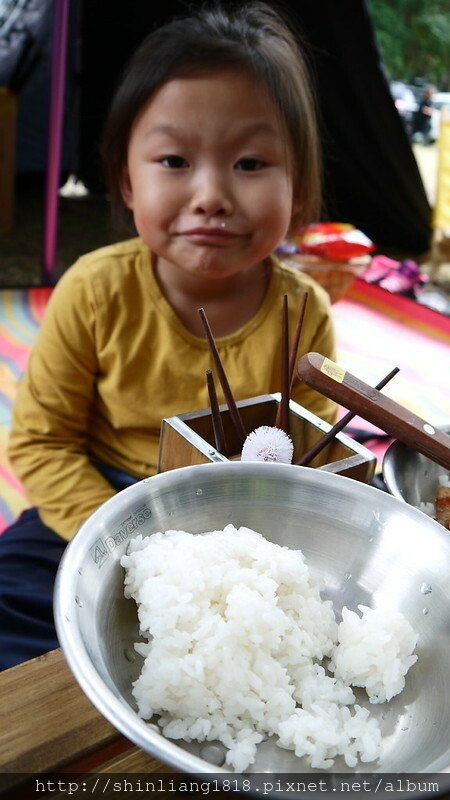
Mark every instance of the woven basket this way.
pixel 335 276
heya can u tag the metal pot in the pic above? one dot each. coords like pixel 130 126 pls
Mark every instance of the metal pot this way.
pixel 411 476
pixel 366 546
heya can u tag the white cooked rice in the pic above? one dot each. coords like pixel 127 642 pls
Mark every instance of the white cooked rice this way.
pixel 374 651
pixel 236 630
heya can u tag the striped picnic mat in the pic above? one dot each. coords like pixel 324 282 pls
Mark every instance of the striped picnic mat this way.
pixel 377 331
pixel 21 312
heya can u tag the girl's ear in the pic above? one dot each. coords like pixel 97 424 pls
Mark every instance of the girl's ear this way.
pixel 125 188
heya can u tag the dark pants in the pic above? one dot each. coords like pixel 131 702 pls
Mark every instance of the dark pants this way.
pixel 29 557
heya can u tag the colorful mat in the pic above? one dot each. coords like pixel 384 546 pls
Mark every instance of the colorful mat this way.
pixel 376 331
pixel 21 312
pixel 402 309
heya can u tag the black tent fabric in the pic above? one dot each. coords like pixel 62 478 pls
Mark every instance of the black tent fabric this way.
pixel 371 175
pixel 371 178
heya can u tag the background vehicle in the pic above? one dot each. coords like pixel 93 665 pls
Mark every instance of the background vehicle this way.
pixel 405 102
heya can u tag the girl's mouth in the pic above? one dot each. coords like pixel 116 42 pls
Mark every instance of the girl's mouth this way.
pixel 203 235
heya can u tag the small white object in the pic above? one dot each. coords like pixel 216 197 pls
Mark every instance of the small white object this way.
pixel 268 444
pixel 73 187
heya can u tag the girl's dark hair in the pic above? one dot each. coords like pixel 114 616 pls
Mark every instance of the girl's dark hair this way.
pixel 253 38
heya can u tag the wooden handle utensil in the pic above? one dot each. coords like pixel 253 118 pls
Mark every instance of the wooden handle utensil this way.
pixel 338 384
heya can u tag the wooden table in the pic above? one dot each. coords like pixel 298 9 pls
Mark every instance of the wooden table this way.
pixel 47 725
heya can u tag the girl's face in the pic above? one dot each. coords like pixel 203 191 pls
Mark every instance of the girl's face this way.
pixel 209 175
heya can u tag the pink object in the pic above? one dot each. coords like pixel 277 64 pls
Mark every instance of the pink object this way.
pixel 405 277
pixel 57 88
pixel 380 266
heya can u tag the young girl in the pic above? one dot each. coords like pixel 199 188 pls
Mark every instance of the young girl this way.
pixel 211 144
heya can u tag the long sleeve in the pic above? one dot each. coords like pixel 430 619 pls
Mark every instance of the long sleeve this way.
pixel 48 444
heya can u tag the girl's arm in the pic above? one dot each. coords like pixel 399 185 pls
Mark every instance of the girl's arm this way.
pixel 49 439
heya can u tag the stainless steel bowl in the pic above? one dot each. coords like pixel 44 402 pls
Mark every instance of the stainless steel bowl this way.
pixel 409 475
pixel 365 545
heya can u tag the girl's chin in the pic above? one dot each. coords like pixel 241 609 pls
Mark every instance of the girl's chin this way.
pixel 211 270
pixel 210 265
pixel 217 268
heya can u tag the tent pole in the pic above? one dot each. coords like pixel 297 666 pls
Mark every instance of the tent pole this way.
pixel 56 122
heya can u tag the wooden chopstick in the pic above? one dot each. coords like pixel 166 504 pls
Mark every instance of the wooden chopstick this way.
pixel 219 435
pixel 232 407
pixel 297 334
pixel 284 421
pixel 294 350
pixel 318 446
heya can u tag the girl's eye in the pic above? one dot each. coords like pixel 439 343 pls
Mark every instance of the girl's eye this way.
pixel 173 162
pixel 250 164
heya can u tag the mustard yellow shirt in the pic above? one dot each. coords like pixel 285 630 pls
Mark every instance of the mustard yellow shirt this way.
pixel 112 359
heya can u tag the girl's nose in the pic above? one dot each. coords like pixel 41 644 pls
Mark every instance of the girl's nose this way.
pixel 212 195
